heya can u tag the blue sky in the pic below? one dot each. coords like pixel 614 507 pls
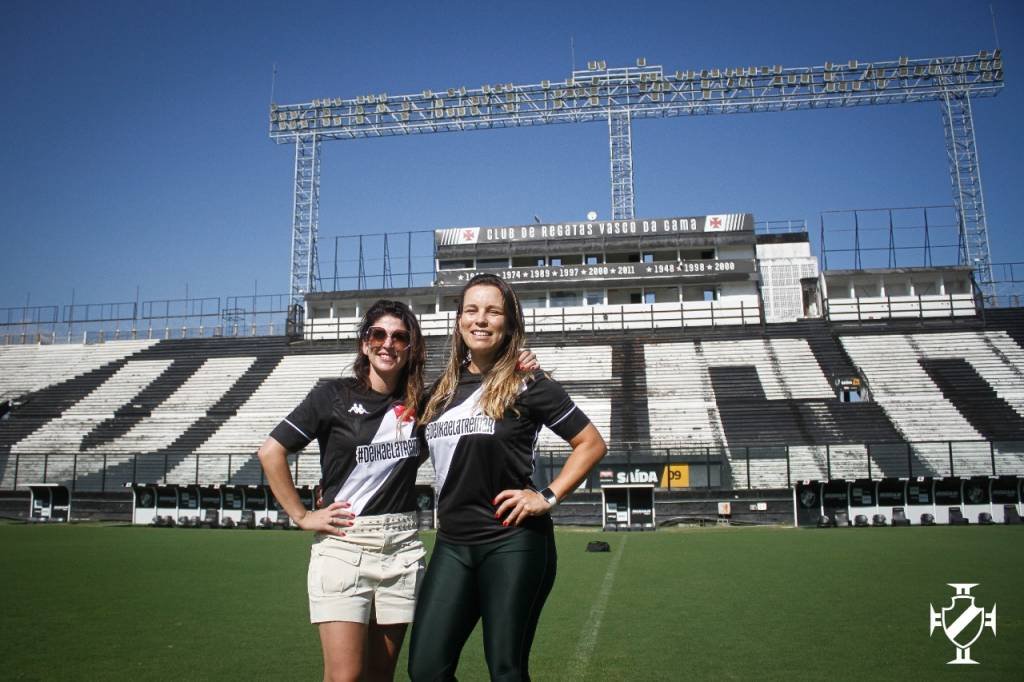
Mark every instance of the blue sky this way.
pixel 136 154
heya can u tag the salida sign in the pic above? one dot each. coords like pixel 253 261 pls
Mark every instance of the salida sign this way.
pixel 608 476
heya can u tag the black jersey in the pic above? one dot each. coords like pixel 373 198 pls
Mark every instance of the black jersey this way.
pixel 368 454
pixel 475 458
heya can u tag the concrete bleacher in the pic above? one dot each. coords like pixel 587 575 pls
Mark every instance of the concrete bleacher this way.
pixel 761 398
pixel 64 435
pixel 745 396
pixel 285 388
pixel 199 392
pixel 105 419
pixel 930 399
pixel 29 368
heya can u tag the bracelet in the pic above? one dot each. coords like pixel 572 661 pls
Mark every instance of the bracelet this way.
pixel 549 495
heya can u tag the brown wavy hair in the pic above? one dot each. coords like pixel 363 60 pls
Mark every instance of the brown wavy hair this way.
pixel 410 381
pixel 503 381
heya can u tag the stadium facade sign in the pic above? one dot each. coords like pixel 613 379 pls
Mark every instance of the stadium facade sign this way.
pixel 687 269
pixel 722 222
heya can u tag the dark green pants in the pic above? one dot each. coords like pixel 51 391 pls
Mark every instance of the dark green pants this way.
pixel 502 583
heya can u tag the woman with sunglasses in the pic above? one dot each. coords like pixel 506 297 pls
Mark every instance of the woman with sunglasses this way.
pixel 366 559
pixel 366 562
pixel 494 559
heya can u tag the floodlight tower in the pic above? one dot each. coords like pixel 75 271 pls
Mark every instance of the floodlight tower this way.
pixel 621 95
pixel 305 216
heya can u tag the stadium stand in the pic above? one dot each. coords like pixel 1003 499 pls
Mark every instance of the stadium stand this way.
pixel 174 410
pixel 28 369
pixel 966 386
pixel 287 385
pixel 693 400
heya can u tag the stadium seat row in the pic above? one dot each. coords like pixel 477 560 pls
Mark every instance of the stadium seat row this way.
pixel 840 519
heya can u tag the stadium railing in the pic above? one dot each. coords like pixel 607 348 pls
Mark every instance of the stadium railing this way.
pixel 149 333
pixel 889 307
pixel 712 467
pixel 577 319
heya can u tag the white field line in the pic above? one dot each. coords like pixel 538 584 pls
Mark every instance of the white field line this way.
pixel 588 638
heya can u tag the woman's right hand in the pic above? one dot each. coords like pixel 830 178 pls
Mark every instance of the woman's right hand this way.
pixel 332 519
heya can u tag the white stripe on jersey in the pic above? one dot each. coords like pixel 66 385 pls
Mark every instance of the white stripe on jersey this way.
pixel 301 432
pixel 394 444
pixel 563 417
pixel 442 447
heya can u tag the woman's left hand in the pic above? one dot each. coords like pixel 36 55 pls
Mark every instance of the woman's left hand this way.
pixel 519 504
pixel 527 361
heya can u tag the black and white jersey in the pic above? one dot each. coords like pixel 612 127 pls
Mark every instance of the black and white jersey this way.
pixel 368 454
pixel 475 458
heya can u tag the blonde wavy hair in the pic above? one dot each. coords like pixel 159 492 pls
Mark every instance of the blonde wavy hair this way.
pixel 503 381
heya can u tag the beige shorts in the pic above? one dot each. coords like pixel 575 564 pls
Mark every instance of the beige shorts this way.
pixel 371 574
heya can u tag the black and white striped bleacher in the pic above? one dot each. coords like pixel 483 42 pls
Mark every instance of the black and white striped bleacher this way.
pixel 195 410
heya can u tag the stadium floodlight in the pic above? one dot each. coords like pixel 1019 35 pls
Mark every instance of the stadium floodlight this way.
pixel 951 81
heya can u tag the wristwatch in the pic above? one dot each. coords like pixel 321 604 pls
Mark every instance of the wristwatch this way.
pixel 549 495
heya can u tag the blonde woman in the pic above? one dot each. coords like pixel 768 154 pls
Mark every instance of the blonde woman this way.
pixel 494 559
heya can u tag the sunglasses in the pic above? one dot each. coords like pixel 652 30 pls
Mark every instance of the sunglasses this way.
pixel 378 336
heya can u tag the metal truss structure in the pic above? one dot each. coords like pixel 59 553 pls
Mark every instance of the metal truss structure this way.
pixel 965 174
pixel 620 144
pixel 305 216
pixel 621 95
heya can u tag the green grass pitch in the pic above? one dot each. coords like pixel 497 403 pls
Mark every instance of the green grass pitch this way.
pixel 116 602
